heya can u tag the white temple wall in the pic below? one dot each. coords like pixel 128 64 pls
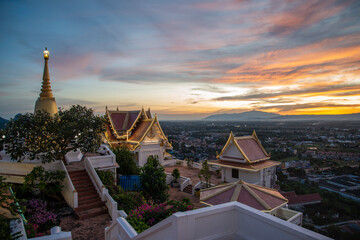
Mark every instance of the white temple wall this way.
pixel 247 176
pixel 147 150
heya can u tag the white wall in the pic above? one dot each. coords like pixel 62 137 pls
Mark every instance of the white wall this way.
pixel 247 176
pixel 225 221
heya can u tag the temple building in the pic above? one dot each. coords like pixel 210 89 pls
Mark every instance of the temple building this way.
pixel 244 158
pixel 46 100
pixel 139 132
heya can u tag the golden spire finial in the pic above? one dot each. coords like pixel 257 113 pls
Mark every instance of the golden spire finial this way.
pixel 46 100
pixel 46 53
pixel 46 91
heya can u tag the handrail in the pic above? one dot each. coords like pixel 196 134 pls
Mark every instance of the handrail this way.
pixel 186 183
pixel 112 206
pixel 95 179
pixel 18 207
pixel 71 185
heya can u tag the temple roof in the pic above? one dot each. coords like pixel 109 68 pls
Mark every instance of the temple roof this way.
pixel 261 198
pixel 123 120
pixel 249 147
pixel 131 127
pixel 141 130
pixel 244 166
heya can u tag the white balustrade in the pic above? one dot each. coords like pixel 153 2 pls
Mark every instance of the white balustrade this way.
pixel 225 221
pixel 69 192
pixel 101 189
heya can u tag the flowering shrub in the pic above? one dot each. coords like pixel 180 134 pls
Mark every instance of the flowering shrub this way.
pixel 128 201
pixel 148 215
pixel 32 230
pixel 38 215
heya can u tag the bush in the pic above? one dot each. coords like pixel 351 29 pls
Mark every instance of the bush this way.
pixel 176 175
pixel 37 214
pixel 128 201
pixel 49 182
pixel 125 159
pixel 148 215
pixel 153 181
pixel 106 177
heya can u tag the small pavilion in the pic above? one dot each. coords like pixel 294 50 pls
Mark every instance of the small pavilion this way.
pixel 244 158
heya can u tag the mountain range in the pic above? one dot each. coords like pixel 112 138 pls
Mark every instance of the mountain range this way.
pixel 264 116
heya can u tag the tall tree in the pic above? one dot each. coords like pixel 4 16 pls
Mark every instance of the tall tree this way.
pixel 41 136
pixel 205 173
pixel 153 181
pixel 125 159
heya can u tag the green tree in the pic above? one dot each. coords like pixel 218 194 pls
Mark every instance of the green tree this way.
pixel 205 173
pixel 189 162
pixel 125 159
pixel 176 175
pixel 41 136
pixel 153 181
pixel 48 182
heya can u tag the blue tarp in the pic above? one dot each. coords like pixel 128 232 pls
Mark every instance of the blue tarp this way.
pixel 130 183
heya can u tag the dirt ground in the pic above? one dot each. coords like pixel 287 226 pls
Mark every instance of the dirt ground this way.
pixel 87 229
pixel 192 173
pixel 175 194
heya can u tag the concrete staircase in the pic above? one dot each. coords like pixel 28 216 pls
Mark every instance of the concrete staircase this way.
pixel 90 204
pixel 188 189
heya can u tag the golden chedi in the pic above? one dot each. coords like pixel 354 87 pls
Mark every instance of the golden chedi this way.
pixel 46 100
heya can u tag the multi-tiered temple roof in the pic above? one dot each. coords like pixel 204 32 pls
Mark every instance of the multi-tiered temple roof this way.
pixel 130 128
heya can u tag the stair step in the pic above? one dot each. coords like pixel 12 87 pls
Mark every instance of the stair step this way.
pixel 86 193
pixel 88 196
pixel 77 172
pixel 188 189
pixel 89 201
pixel 80 177
pixel 85 188
pixel 81 182
pixel 90 205
pixel 90 213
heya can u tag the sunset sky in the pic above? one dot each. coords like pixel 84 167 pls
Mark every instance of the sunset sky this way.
pixel 188 58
